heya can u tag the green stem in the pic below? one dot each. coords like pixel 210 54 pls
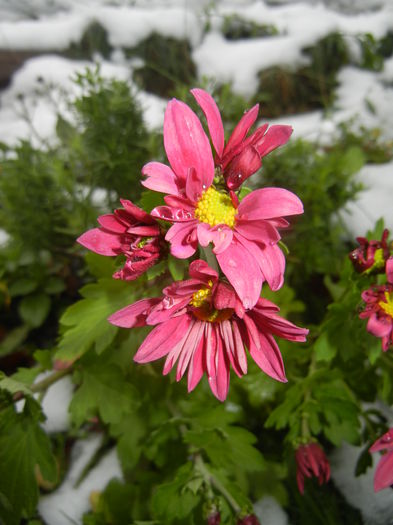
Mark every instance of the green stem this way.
pixel 48 381
pixel 211 258
pixel 210 479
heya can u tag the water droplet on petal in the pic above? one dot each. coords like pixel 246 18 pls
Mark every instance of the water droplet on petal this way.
pixel 187 215
pixel 167 302
pixel 204 186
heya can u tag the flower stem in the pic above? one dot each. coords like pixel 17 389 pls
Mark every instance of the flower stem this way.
pixel 210 479
pixel 210 258
pixel 48 381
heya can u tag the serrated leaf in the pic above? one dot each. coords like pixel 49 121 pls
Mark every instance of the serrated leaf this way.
pixel 156 270
pixel 177 267
pixel 87 319
pixel 34 309
pixel 13 386
pixel 324 350
pixel 104 391
pixel 23 445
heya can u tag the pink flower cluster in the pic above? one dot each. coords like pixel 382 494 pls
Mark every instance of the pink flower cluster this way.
pixel 206 323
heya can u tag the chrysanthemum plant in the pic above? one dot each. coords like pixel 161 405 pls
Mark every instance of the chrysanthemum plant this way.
pixel 187 283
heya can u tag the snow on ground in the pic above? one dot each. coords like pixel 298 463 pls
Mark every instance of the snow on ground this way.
pixel 69 502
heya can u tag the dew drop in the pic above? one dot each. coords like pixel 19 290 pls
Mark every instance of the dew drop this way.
pixel 167 302
pixel 187 215
pixel 204 186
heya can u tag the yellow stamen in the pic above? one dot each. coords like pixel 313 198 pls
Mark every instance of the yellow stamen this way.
pixel 215 208
pixel 387 306
pixel 200 297
pixel 204 310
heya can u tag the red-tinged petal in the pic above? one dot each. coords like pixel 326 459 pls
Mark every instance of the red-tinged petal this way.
pixel 229 345
pixel 196 368
pixel 225 297
pixel 194 185
pixel 190 345
pixel 239 348
pixel 109 222
pixel 183 239
pixel 174 201
pixel 260 231
pixel 162 339
pixel 101 242
pixel 268 203
pixel 221 236
pixel 173 355
pixel 242 167
pixel 380 327
pixel 383 443
pixel 166 309
pixel 200 270
pixel 300 481
pixel 242 271
pixel 383 476
pixel 186 143
pixel 145 231
pixel 134 314
pixel 273 323
pixel 241 130
pixel 211 343
pixel 213 117
pixel 136 213
pixel 268 357
pixel 219 383
pixel 275 136
pixel 160 178
pixel 167 213
pixel 389 270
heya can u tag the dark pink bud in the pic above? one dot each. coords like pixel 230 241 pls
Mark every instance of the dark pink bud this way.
pixel 311 462
pixel 251 519
pixel 371 256
pixel 214 518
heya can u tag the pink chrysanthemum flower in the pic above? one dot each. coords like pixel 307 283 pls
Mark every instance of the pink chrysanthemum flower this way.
pixel 379 308
pixel 201 324
pixel 383 477
pixel 370 256
pixel 129 231
pixel 311 461
pixel 204 209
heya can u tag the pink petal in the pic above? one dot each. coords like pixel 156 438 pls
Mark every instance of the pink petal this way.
pixel 211 344
pixel 195 368
pixel 219 383
pixel 268 203
pixel 190 345
pixel 134 314
pixel 383 476
pixel 145 231
pixel 380 327
pixel 213 117
pixel 194 186
pixel 186 144
pixel 166 309
pixel 242 271
pixel 109 222
pixel 162 338
pixel 229 345
pixel 200 270
pixel 160 178
pixel 175 201
pixel 385 442
pixel 389 270
pixel 101 242
pixel 167 213
pixel 260 231
pixel 268 357
pixel 220 235
pixel 270 259
pixel 239 348
pixel 275 136
pixel 137 214
pixel 183 239
pixel 242 167
pixel 241 129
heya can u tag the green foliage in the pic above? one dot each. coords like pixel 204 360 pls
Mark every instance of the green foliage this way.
pixel 234 27
pixel 24 448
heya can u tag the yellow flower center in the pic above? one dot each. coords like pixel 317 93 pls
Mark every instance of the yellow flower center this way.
pixel 203 309
pixel 215 208
pixel 387 306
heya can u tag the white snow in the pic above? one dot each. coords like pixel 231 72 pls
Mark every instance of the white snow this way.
pixel 55 406
pixel 269 512
pixel 68 503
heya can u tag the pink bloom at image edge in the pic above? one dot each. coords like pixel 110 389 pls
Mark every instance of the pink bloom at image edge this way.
pixel 383 477
pixel 201 324
pixel 244 234
pixel 129 231
pixel 311 461
pixel 370 256
pixel 379 308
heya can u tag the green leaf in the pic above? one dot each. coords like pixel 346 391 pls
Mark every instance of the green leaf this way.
pixel 12 386
pixel 14 339
pixel 324 350
pixel 173 500
pixel 129 433
pixel 150 199
pixel 177 267
pixel 54 285
pixel 104 391
pixel 23 445
pixel 34 309
pixel 156 270
pixel 86 320
pixel 22 287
